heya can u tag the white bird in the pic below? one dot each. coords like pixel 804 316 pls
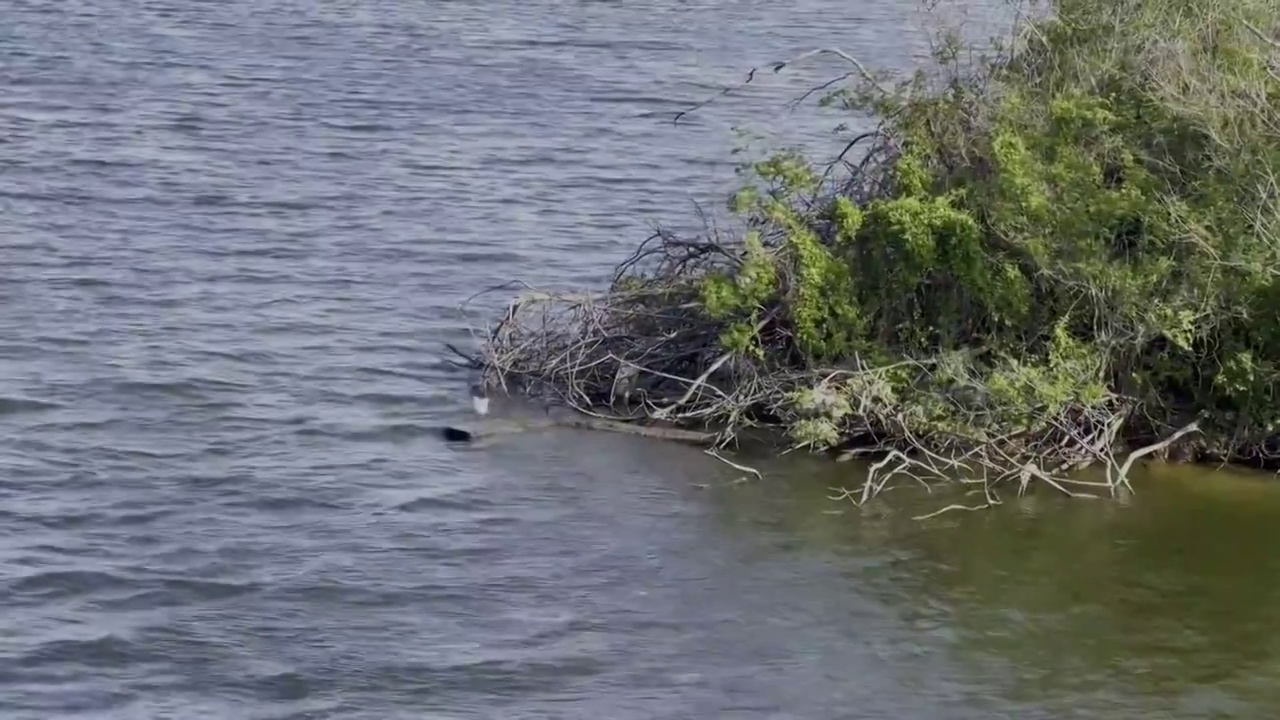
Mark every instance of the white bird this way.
pixel 479 400
pixel 624 383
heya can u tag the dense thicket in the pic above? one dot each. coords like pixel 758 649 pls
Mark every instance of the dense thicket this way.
pixel 1043 256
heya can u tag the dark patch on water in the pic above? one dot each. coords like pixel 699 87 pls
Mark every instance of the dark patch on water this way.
pixel 12 405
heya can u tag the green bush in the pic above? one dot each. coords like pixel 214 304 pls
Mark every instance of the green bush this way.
pixel 1081 224
pixel 1064 247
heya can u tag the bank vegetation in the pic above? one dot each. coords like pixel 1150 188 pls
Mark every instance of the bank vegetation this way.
pixel 1051 255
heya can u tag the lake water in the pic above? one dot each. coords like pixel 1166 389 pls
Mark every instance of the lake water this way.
pixel 233 237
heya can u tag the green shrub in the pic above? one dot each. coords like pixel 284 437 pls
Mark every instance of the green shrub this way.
pixel 1091 213
pixel 1066 244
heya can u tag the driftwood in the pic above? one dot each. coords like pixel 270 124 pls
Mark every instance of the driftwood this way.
pixel 651 431
pixel 488 428
pixel 495 427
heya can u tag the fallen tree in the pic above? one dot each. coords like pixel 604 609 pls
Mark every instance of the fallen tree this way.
pixel 1053 256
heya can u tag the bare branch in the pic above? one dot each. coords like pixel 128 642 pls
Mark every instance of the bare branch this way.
pixel 734 465
pixel 949 508
pixel 779 66
pixel 1123 473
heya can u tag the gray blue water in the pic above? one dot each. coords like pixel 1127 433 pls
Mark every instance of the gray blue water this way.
pixel 233 236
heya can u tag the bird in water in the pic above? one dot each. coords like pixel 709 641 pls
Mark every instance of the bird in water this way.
pixel 479 400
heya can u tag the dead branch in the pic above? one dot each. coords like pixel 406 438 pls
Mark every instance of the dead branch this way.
pixel 1122 473
pixel 497 427
pixel 734 465
pixel 949 508
pixel 470 362
pixel 779 66
pixel 1261 35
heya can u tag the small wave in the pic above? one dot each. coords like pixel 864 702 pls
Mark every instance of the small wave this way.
pixel 69 425
pixel 426 504
pixel 191 388
pixel 358 595
pixel 181 388
pixel 470 256
pixel 282 503
pixel 558 630
pixel 247 427
pixel 72 521
pixel 256 357
pixel 174 591
pixel 59 584
pixel 272 252
pixel 198 590
pixel 359 127
pixel 444 168
pixel 388 399
pixel 385 433
pixel 393 373
pixel 138 518
pixel 296 205
pixel 277 301
pixel 650 100
pixel 134 454
pixel 106 651
pixel 103 163
pixel 612 44
pixel 83 282
pixel 286 686
pixel 489 677
pixel 15 405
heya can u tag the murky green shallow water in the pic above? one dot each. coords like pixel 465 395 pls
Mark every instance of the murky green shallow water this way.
pixel 1159 604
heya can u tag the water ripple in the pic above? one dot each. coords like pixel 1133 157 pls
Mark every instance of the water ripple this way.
pixel 13 405
pixel 235 236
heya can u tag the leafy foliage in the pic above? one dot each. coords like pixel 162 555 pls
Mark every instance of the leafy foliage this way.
pixel 1062 247
pixel 1092 213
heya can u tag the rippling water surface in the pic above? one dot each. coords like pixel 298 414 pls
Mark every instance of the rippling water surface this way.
pixel 233 235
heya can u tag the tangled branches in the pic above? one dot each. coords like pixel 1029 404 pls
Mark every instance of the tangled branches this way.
pixel 645 349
